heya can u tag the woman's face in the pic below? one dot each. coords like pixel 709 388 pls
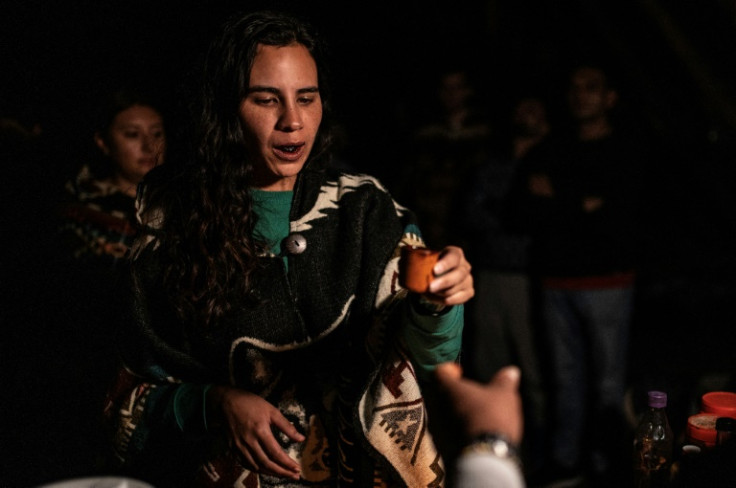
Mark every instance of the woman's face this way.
pixel 281 114
pixel 135 142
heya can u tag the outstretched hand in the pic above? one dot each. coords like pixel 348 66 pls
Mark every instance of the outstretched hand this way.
pixel 460 408
pixel 249 420
pixel 484 407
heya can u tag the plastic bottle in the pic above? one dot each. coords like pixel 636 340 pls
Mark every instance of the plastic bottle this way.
pixel 653 445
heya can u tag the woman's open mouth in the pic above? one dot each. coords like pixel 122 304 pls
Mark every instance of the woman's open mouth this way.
pixel 289 152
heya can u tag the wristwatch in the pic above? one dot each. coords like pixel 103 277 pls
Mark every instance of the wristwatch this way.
pixel 427 307
pixel 493 443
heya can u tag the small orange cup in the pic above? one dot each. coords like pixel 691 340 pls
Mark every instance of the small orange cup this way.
pixel 415 268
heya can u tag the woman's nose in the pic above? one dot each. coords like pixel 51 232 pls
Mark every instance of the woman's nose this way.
pixel 150 143
pixel 147 144
pixel 291 119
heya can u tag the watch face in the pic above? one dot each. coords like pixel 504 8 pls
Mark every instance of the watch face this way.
pixel 494 444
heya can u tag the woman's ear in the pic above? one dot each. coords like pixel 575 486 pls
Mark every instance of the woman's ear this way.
pixel 100 141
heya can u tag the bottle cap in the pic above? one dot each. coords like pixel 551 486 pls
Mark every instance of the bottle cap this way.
pixel 726 424
pixel 657 399
pixel 721 403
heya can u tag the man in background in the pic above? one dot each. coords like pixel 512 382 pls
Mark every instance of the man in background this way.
pixel 577 198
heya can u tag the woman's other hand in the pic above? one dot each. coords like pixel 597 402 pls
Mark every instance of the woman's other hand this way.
pixel 453 283
pixel 249 420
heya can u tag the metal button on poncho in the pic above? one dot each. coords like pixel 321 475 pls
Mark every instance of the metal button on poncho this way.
pixel 295 243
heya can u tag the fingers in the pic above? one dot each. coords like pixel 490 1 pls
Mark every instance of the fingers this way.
pixel 264 454
pixel 283 424
pixel 245 451
pixel 252 422
pixel 277 461
pixel 508 377
pixel 453 284
pixel 451 257
pixel 494 406
pixel 448 371
pixel 455 288
pixel 450 379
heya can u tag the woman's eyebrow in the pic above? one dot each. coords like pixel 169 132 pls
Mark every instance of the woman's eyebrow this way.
pixel 261 88
pixel 276 91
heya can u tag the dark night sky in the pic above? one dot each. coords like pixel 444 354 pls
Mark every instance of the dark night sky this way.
pixel 675 66
pixel 56 54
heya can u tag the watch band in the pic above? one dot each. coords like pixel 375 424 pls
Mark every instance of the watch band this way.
pixel 427 307
pixel 493 443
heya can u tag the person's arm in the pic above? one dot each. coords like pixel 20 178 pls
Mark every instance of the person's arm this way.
pixel 139 410
pixel 434 321
pixel 146 403
pixel 431 337
pixel 183 414
pixel 156 417
pixel 534 202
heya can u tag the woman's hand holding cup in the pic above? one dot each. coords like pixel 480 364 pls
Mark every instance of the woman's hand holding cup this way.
pixel 442 277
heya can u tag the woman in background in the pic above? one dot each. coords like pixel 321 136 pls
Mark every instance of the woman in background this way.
pixel 98 219
pixel 95 226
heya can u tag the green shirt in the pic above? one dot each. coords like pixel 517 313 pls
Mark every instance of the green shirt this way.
pixel 272 224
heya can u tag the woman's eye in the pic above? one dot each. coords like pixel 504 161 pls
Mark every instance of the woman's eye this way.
pixel 265 101
pixel 130 134
pixel 306 100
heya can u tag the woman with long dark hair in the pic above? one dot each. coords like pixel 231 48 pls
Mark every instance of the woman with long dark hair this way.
pixel 269 342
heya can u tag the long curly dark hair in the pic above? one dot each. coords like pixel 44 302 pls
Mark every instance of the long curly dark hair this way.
pixel 207 248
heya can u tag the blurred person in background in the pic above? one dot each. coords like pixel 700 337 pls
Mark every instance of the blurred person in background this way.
pixel 93 227
pixel 445 147
pixel 98 218
pixel 577 196
pixel 502 328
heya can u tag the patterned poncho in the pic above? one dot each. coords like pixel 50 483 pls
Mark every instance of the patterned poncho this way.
pixel 98 220
pixel 323 345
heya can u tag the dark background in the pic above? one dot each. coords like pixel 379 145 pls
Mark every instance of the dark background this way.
pixel 674 60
